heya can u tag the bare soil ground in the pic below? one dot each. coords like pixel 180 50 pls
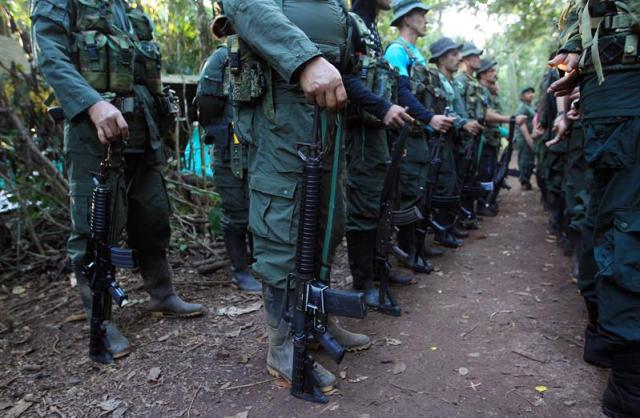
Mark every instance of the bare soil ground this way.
pixel 496 332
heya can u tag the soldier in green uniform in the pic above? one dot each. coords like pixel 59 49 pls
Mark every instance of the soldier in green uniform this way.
pixel 491 137
pixel 230 166
pixel 104 67
pixel 525 145
pixel 300 49
pixel 406 58
pixel 601 54
pixel 445 54
pixel 367 144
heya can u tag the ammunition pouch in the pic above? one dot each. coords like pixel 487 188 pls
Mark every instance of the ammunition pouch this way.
pixel 247 73
pixel 149 64
pixel 218 133
pixel 618 52
pixel 142 25
pixel 425 85
pixel 381 79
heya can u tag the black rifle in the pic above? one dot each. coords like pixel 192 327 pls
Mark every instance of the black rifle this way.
pixel 469 171
pixel 314 299
pixel 502 169
pixel 426 206
pixel 390 218
pixel 102 262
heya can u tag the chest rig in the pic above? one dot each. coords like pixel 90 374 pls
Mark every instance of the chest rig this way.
pixel 374 71
pixel 250 78
pixel 609 34
pixel 474 100
pixel 113 47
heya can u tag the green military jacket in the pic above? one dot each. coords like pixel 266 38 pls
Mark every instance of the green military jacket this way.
pixel 529 111
pixel 472 96
pixel 491 134
pixel 93 50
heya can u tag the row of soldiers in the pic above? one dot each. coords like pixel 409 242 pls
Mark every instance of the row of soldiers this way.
pixel 588 172
pixel 286 56
pixel 452 99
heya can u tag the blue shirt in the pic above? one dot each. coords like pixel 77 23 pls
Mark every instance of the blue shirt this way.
pixel 399 58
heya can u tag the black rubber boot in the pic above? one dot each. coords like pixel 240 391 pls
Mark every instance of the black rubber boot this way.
pixel 280 354
pixel 118 345
pixel 595 347
pixel 156 273
pixel 459 233
pixel 485 210
pixel 407 243
pixel 236 245
pixel 621 398
pixel 446 237
pixel 360 246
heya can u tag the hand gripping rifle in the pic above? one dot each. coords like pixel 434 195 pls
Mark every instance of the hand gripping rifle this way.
pixel 388 220
pixel 502 169
pixel 314 300
pixel 102 262
pixel 433 173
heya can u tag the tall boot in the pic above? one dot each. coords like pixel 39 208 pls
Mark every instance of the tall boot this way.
pixel 156 273
pixel 445 237
pixel 280 354
pixel 621 398
pixel 236 245
pixel 595 347
pixel 407 243
pixel 359 250
pixel 118 345
pixel 350 341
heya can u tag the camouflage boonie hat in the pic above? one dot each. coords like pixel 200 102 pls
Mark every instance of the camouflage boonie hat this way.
pixel 441 47
pixel 485 65
pixel 469 48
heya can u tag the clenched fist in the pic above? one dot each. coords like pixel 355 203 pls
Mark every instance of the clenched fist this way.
pixel 397 116
pixel 322 84
pixel 109 122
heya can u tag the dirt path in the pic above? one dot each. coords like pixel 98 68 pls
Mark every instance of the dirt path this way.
pixel 501 318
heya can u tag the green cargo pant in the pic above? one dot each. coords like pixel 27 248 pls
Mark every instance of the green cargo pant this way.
pixel 233 191
pixel 448 183
pixel 413 171
pixel 139 200
pixel 526 161
pixel 367 157
pixel 275 182
pixel 612 149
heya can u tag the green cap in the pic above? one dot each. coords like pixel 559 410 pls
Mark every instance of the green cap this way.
pixel 485 65
pixel 402 8
pixel 469 48
pixel 441 47
pixel 526 90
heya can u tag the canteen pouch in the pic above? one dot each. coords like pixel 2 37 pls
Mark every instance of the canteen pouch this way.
pixel 149 64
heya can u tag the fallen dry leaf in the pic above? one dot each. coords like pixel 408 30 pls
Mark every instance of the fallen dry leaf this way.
pixel 109 405
pixel 239 310
pixel 18 409
pixel 154 374
pixel 392 341
pixel 399 368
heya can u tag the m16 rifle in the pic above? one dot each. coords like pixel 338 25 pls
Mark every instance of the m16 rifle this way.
pixel 471 190
pixel 388 220
pixel 314 299
pixel 103 259
pixel 502 169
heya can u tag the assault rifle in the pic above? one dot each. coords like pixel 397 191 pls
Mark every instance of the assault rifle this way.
pixel 469 171
pixel 427 200
pixel 102 262
pixel 314 299
pixel 502 169
pixel 390 218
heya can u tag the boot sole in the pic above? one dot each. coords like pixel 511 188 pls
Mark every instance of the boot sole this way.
pixel 274 373
pixel 177 315
pixel 316 347
pixel 121 354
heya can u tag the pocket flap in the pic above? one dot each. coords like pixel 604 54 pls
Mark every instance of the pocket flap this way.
pixel 274 187
pixel 628 221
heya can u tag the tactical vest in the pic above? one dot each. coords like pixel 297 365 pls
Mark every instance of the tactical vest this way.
pixel 475 103
pixel 609 33
pixel 325 23
pixel 112 59
pixel 375 72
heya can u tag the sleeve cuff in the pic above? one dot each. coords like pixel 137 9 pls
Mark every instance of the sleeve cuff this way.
pixel 76 106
